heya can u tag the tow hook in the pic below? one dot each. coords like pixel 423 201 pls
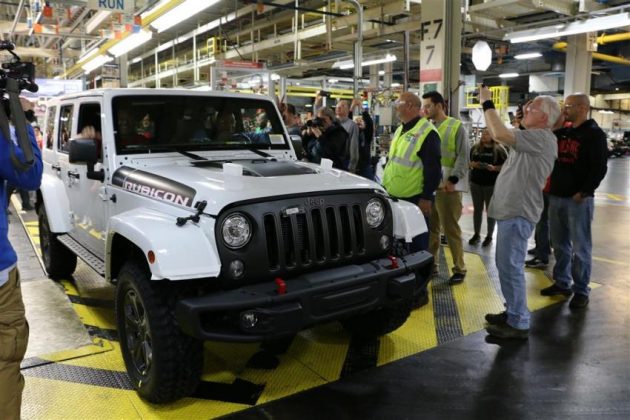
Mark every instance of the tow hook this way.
pixel 281 286
pixel 394 262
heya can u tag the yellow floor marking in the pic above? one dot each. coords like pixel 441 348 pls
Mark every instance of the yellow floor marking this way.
pixel 476 296
pixel 51 399
pixel 110 360
pixel 322 349
pixel 290 377
pixel 99 346
pixel 606 260
pixel 186 408
pixel 97 317
pixel 615 197
pixel 416 335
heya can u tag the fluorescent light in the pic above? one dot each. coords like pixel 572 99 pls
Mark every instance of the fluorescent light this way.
pixel 96 62
pixel 332 81
pixel 132 41
pixel 528 56
pixel 508 75
pixel 96 20
pixel 605 111
pixel 395 85
pixel 88 55
pixel 572 28
pixel 381 72
pixel 348 64
pixel 180 13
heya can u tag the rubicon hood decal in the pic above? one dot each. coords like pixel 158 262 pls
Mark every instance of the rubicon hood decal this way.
pixel 153 186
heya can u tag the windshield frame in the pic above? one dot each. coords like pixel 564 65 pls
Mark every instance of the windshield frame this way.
pixel 169 110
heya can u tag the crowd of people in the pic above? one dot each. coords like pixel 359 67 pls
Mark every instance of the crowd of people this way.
pixel 539 176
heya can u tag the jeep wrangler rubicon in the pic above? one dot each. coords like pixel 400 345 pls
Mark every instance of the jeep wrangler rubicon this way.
pixel 210 228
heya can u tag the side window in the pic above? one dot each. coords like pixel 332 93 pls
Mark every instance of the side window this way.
pixel 65 125
pixel 50 126
pixel 89 124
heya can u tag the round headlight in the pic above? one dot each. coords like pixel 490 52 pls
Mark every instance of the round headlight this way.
pixel 236 231
pixel 374 213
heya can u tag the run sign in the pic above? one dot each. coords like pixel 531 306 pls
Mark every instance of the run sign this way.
pixel 119 6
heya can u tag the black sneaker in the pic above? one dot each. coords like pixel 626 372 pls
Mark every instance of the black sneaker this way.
pixel 554 290
pixel 507 331
pixel 487 241
pixel 474 240
pixel 531 251
pixel 28 208
pixel 457 278
pixel 579 301
pixel 496 319
pixel 536 263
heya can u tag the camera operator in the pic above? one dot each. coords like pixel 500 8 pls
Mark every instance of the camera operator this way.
pixel 13 325
pixel 331 137
pixel 517 203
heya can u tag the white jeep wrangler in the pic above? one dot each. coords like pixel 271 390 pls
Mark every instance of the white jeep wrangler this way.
pixel 195 207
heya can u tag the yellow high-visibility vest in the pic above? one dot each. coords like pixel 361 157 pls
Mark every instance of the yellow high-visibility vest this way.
pixel 448 144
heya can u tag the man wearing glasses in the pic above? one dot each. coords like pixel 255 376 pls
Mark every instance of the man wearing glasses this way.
pixel 517 203
pixel 581 166
pixel 448 206
pixel 413 168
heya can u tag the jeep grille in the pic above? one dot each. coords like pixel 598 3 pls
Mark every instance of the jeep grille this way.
pixel 314 236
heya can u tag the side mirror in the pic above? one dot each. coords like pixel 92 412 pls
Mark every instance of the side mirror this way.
pixel 83 151
pixel 86 151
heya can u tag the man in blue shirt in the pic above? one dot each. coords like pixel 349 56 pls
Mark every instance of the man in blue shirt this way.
pixel 13 325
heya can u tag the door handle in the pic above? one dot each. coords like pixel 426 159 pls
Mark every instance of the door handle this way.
pixel 55 167
pixel 74 174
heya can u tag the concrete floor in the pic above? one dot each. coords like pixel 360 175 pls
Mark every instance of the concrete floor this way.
pixel 574 364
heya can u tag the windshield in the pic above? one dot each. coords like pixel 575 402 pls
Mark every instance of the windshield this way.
pixel 164 123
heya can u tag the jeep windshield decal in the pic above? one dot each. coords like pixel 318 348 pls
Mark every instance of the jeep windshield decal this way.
pixel 153 186
pixel 169 123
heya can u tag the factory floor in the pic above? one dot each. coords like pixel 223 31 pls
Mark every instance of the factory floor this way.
pixel 439 365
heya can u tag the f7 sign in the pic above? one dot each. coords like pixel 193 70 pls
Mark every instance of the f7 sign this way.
pixel 432 44
pixel 119 6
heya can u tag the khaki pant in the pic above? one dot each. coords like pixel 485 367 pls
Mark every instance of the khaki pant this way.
pixel 13 340
pixel 446 211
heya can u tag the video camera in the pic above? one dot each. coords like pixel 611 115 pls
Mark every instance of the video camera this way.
pixel 22 71
pixel 315 122
pixel 16 76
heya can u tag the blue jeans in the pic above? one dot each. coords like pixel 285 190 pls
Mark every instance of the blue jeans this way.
pixel 511 249
pixel 541 235
pixel 572 244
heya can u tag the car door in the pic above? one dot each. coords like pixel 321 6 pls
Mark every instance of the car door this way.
pixel 89 202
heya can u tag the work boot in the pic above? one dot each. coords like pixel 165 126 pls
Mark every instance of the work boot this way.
pixel 554 290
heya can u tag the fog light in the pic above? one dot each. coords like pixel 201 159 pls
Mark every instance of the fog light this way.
pixel 249 319
pixel 236 269
pixel 384 242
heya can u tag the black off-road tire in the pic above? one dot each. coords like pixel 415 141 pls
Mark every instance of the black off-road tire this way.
pixel 163 363
pixel 59 261
pixel 379 322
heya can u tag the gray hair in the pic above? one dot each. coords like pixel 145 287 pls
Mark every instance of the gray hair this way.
pixel 550 106
pixel 327 112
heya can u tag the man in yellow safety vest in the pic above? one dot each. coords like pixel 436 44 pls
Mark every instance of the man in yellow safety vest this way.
pixel 447 208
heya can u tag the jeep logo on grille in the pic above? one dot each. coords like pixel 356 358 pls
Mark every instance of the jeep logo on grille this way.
pixel 314 202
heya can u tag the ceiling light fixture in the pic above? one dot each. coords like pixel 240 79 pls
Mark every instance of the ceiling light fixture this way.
pixel 96 20
pixel 180 13
pixel 572 28
pixel 527 56
pixel 348 64
pixel 508 75
pixel 131 42
pixel 96 62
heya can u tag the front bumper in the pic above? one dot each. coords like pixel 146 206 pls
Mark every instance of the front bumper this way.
pixel 310 299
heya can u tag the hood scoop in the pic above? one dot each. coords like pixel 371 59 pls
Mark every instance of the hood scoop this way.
pixel 260 167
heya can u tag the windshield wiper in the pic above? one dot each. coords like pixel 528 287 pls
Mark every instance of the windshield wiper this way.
pixel 259 152
pixel 190 155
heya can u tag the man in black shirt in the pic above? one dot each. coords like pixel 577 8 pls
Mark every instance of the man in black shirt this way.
pixel 581 166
